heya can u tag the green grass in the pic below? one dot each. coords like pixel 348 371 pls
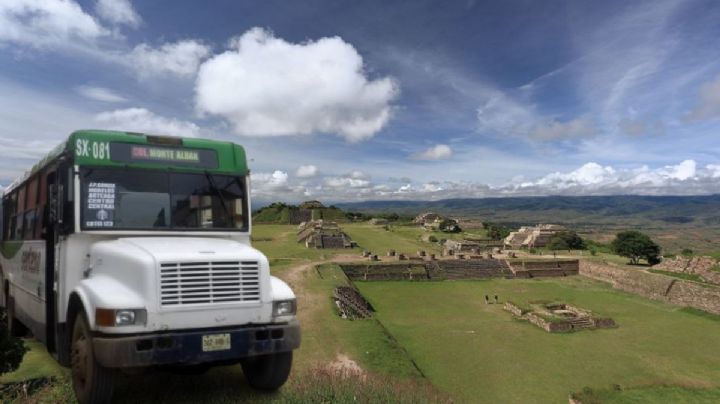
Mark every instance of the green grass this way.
pixel 479 353
pixel 649 394
pixel 36 363
pixel 403 239
pixel 679 275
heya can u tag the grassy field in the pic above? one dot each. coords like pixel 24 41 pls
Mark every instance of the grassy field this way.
pixel 652 394
pixel 479 353
pixel 472 351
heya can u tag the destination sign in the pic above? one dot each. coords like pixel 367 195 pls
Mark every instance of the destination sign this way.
pixel 136 153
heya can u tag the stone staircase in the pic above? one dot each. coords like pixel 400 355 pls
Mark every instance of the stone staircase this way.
pixel 582 322
pixel 351 303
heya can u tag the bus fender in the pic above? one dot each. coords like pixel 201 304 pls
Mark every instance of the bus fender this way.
pixel 279 290
pixel 105 292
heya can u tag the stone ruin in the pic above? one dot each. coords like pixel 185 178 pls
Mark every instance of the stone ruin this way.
pixel 322 234
pixel 424 218
pixel 707 268
pixel 351 304
pixel 522 268
pixel 532 236
pixel 460 267
pixel 559 317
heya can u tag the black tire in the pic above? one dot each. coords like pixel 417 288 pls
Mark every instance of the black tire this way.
pixel 268 372
pixel 14 326
pixel 91 382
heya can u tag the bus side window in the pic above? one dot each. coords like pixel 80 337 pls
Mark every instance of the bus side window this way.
pixel 41 218
pixel 17 217
pixel 28 225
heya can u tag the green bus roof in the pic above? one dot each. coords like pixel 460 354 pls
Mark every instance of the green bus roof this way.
pixel 85 146
pixel 92 148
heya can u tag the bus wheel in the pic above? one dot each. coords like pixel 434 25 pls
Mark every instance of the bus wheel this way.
pixel 267 372
pixel 92 383
pixel 15 327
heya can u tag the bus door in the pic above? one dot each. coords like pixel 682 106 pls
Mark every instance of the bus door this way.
pixel 51 215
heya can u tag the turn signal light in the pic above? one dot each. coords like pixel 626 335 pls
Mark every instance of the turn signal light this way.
pixel 105 317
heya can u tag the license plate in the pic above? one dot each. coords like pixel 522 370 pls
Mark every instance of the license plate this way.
pixel 215 342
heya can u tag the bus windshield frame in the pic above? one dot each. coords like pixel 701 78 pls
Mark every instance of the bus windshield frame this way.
pixel 119 199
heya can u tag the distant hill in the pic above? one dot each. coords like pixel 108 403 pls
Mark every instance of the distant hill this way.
pixel 581 210
pixel 281 213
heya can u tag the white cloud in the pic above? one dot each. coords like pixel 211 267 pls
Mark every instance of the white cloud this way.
pixel 437 152
pixel 709 101
pixel 180 58
pixel 713 170
pixel 358 175
pixel 594 179
pixel 99 94
pixel 63 26
pixel 346 182
pixel 306 171
pixel 46 23
pixel 502 115
pixel 275 180
pixel 266 86
pixel 142 120
pixel 118 12
pixel 684 178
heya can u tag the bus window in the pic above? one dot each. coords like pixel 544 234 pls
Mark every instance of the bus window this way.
pixel 29 225
pixel 16 231
pixel 32 194
pixel 207 201
pixel 21 199
pixel 113 198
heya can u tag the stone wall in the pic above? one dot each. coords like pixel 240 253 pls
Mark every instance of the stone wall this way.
pixel 548 326
pixel 656 286
pixel 299 216
pixel 700 266
pixel 544 268
pixel 513 308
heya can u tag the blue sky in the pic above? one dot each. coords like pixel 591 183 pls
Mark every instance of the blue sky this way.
pixel 348 100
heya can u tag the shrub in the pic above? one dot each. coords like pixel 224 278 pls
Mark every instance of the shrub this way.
pixel 566 240
pixel 12 349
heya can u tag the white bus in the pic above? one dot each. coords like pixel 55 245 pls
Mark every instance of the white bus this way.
pixel 124 250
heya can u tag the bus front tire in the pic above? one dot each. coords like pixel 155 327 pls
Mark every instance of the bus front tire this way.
pixel 267 372
pixel 91 382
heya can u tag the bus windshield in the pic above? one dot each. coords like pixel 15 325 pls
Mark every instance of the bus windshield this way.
pixel 130 199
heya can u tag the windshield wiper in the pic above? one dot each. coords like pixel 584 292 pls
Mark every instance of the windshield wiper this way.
pixel 211 180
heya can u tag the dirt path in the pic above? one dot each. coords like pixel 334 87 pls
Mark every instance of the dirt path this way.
pixel 310 304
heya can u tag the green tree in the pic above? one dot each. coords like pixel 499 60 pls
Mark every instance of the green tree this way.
pixel 449 226
pixel 496 231
pixel 566 240
pixel 12 349
pixel 636 246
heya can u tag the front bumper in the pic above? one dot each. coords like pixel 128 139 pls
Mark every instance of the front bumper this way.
pixel 185 347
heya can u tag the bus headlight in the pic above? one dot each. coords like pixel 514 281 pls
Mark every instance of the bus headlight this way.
pixel 284 308
pixel 120 317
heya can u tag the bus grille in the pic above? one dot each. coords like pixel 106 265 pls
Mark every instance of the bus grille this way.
pixel 183 283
